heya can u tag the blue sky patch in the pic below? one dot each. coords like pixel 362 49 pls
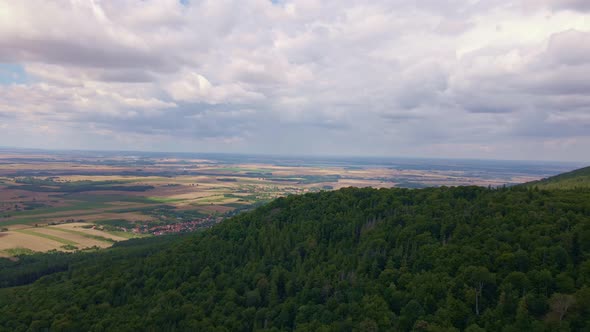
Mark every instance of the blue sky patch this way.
pixel 11 73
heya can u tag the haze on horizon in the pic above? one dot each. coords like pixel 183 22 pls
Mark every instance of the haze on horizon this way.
pixel 434 78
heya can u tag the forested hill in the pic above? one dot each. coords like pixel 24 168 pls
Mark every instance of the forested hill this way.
pixel 579 178
pixel 436 259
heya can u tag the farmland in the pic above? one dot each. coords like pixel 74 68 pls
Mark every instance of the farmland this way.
pixel 69 201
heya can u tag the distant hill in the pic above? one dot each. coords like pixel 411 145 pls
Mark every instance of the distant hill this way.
pixel 434 259
pixel 579 178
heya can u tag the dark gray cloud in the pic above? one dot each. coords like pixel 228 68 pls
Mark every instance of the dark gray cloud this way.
pixel 126 76
pixel 577 5
pixel 581 6
pixel 78 54
pixel 571 47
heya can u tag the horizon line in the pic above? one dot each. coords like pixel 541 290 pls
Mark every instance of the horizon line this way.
pixel 316 156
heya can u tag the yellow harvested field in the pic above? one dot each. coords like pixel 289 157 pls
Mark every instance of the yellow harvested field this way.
pixel 11 240
pixel 17 226
pixel 25 237
pixel 81 240
pixel 78 228
pixel 130 216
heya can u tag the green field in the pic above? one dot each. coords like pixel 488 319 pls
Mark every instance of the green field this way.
pixel 127 235
pixel 90 236
pixel 79 205
pixel 17 252
pixel 115 223
pixel 47 236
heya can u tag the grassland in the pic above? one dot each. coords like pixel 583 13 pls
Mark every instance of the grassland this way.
pixel 86 235
pixel 46 236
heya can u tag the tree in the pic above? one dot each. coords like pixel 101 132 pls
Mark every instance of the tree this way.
pixel 477 277
pixel 560 304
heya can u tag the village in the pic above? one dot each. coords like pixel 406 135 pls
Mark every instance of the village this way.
pixel 181 227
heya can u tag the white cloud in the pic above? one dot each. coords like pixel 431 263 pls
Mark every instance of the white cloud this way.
pixel 467 78
pixel 192 87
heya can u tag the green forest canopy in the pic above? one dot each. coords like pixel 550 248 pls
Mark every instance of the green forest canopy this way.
pixel 434 259
pixel 579 178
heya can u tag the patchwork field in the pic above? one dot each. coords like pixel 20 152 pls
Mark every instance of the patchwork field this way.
pixel 66 237
pixel 81 200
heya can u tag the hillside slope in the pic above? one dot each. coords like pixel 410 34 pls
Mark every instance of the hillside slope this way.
pixel 579 178
pixel 436 259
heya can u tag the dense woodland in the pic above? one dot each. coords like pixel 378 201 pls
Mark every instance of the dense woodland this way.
pixel 579 178
pixel 435 259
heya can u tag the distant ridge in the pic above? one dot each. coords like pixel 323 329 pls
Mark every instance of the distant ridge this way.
pixel 579 178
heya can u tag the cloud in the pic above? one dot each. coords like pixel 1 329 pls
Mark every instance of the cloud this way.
pixel 509 80
pixel 570 47
pixel 189 86
pixel 574 5
pixel 467 78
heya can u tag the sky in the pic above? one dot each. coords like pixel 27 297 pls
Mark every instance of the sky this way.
pixel 485 79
